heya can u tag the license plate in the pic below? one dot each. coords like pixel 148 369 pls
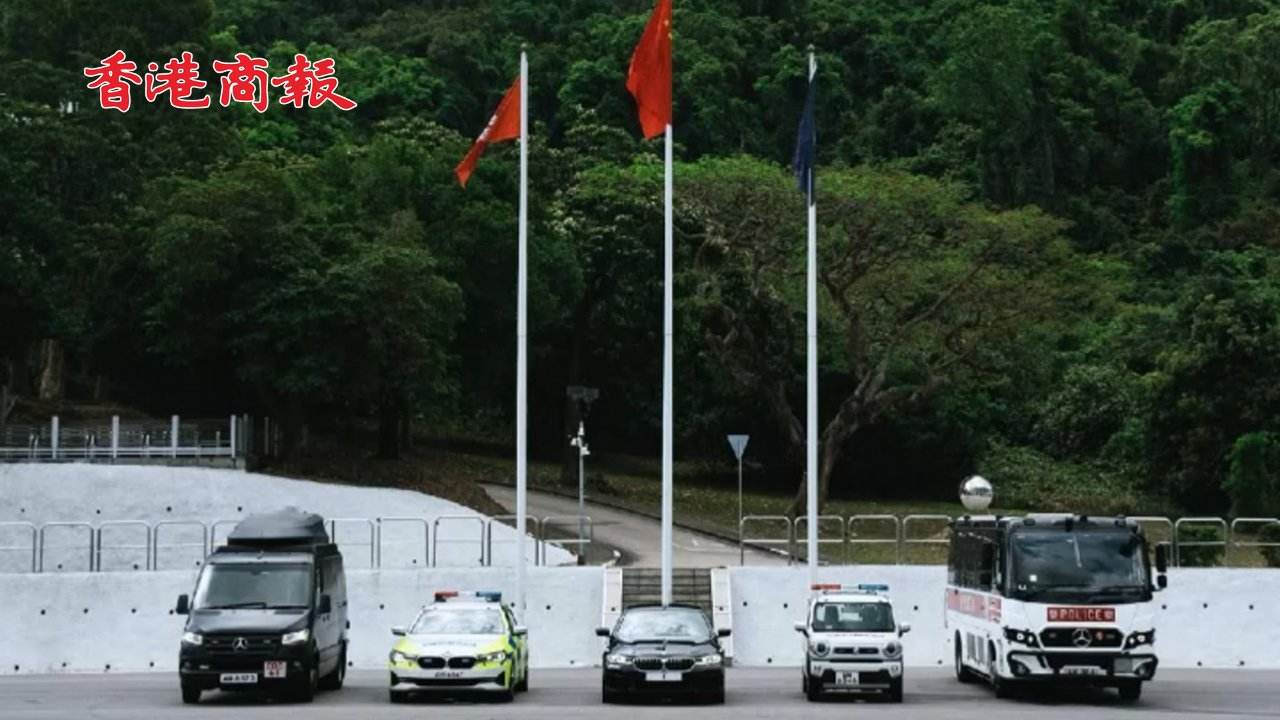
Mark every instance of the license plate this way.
pixel 238 678
pixel 449 674
pixel 847 678
pixel 274 669
pixel 1081 670
pixel 663 676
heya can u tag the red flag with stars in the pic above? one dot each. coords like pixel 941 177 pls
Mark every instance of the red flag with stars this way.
pixel 650 77
pixel 504 125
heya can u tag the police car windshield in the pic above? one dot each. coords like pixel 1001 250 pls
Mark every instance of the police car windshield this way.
pixel 1084 560
pixel 459 621
pixel 671 625
pixel 853 617
pixel 225 586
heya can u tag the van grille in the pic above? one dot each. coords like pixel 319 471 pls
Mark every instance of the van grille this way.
pixel 252 645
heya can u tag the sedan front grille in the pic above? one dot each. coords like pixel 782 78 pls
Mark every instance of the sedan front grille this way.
pixel 462 663
pixel 430 663
pixel 679 663
pixel 648 663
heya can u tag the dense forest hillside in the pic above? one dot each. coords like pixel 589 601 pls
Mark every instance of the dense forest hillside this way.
pixel 1049 233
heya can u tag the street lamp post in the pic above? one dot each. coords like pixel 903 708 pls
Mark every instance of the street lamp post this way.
pixel 584 396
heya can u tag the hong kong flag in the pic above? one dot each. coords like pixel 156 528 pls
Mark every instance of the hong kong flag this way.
pixel 505 125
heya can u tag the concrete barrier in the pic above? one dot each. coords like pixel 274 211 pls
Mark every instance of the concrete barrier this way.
pixel 124 622
pixel 1208 617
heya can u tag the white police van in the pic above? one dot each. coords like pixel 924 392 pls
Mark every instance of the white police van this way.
pixel 852 642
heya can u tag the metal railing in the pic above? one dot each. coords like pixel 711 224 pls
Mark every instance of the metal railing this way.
pixel 435 534
pixel 801 529
pixel 787 541
pixel 584 523
pixel 34 548
pixel 426 537
pixel 531 524
pixel 1179 544
pixel 896 540
pixel 130 439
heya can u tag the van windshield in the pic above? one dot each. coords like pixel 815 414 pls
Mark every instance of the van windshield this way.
pixel 253 585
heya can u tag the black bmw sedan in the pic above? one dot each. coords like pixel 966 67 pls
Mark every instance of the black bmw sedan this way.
pixel 663 651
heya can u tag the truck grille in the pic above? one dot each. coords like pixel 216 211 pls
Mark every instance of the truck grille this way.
pixel 1071 637
pixel 246 646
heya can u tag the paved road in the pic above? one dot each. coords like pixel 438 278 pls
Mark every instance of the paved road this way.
pixel 638 539
pixel 574 694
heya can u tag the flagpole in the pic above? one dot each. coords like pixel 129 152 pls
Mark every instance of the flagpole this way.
pixel 811 477
pixel 522 336
pixel 667 390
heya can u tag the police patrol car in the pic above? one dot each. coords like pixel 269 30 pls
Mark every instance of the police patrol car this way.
pixel 852 642
pixel 463 642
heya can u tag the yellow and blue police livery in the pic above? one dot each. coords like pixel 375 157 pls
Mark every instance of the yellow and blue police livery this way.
pixel 463 642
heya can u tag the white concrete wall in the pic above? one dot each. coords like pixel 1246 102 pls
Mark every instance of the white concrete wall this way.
pixel 95 493
pixel 1213 618
pixel 123 622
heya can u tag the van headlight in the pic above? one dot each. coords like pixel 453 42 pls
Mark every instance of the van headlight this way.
pixel 190 638
pixel 819 647
pixel 296 638
pixel 893 649
pixel 494 657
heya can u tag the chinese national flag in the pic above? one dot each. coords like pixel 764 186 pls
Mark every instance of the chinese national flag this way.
pixel 504 125
pixel 650 77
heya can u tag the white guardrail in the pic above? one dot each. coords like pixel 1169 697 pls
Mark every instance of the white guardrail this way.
pixel 128 439
pixel 130 545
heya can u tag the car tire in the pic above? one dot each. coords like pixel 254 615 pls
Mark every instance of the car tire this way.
pixel 1003 688
pixel 335 679
pixel 963 674
pixel 813 689
pixel 609 697
pixel 307 692
pixel 398 698
pixel 895 691
pixel 190 695
pixel 1130 691
pixel 717 696
pixel 523 685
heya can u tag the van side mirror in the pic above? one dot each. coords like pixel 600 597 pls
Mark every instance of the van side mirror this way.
pixel 800 628
pixel 399 631
pixel 903 629
pixel 723 632
pixel 1162 581
pixel 519 630
pixel 325 605
pixel 602 632
pixel 184 605
pixel 1162 559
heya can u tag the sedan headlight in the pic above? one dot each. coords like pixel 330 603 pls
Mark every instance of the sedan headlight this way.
pixel 893 649
pixel 190 638
pixel 399 657
pixel 618 660
pixel 496 657
pixel 711 660
pixel 296 638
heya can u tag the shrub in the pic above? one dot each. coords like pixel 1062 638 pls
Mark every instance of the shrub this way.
pixel 1200 555
pixel 1252 477
pixel 1270 533
pixel 1025 479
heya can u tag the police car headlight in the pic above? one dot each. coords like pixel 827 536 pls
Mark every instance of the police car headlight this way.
pixel 399 657
pixel 296 638
pixel 618 660
pixel 190 638
pixel 495 657
pixel 893 649
pixel 819 647
pixel 710 660
pixel 1141 638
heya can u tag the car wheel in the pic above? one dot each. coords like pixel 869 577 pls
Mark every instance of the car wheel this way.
pixel 1131 691
pixel 813 689
pixel 895 691
pixel 523 685
pixel 190 695
pixel 609 697
pixel 397 697
pixel 1003 688
pixel 335 679
pixel 963 674
pixel 717 696
pixel 307 692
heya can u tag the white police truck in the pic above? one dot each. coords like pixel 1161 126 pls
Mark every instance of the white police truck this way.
pixel 852 642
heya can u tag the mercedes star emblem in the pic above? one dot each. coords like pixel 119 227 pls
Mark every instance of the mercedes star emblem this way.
pixel 1081 637
pixel 239 644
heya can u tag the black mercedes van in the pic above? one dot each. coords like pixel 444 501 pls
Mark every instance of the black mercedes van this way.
pixel 269 611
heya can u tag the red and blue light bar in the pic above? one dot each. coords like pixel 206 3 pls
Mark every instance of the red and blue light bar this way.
pixel 489 595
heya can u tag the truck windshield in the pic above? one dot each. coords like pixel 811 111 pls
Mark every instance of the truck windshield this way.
pixel 1078 562
pixel 256 585
pixel 853 617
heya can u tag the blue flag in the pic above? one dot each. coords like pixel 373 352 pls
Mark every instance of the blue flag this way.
pixel 806 146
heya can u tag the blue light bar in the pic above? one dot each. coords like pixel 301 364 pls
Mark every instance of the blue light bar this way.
pixel 873 588
pixel 490 595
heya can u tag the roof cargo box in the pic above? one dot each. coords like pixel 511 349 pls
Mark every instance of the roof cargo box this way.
pixel 288 527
